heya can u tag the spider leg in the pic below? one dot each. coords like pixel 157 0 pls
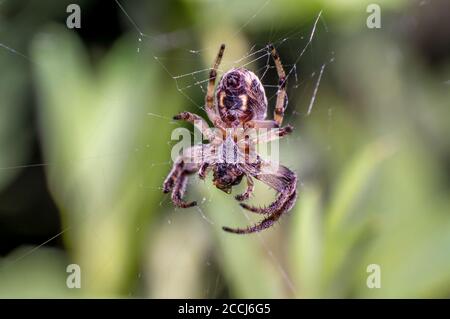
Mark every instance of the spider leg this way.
pixel 273 135
pixel 256 124
pixel 203 170
pixel 175 172
pixel 285 183
pixel 248 191
pixel 271 126
pixel 186 164
pixel 281 179
pixel 250 140
pixel 267 222
pixel 179 190
pixel 198 122
pixel 211 109
pixel 281 104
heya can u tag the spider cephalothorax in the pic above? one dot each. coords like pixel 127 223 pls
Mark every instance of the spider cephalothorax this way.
pixel 225 176
pixel 239 108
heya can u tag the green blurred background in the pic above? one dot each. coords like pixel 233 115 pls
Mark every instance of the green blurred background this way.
pixel 85 141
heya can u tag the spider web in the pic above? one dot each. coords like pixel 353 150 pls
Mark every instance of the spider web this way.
pixel 191 84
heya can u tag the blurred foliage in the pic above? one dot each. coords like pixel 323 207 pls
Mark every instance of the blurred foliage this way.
pixel 103 114
pixel 14 137
pixel 373 158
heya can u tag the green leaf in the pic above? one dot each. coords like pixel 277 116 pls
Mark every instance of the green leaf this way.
pixel 307 243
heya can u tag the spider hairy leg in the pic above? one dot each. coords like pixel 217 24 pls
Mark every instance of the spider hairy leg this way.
pixel 186 164
pixel 284 181
pixel 267 222
pixel 273 135
pixel 280 105
pixel 211 109
pixel 256 124
pixel 198 122
pixel 178 192
pixel 248 192
pixel 203 170
pixel 169 182
pixel 288 179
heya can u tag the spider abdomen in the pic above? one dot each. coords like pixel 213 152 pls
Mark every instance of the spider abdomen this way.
pixel 240 97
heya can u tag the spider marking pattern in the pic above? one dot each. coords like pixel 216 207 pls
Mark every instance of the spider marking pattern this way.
pixel 238 107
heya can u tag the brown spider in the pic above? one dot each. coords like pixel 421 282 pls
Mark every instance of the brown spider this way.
pixel 240 102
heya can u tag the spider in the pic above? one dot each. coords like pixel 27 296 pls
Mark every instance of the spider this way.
pixel 240 102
